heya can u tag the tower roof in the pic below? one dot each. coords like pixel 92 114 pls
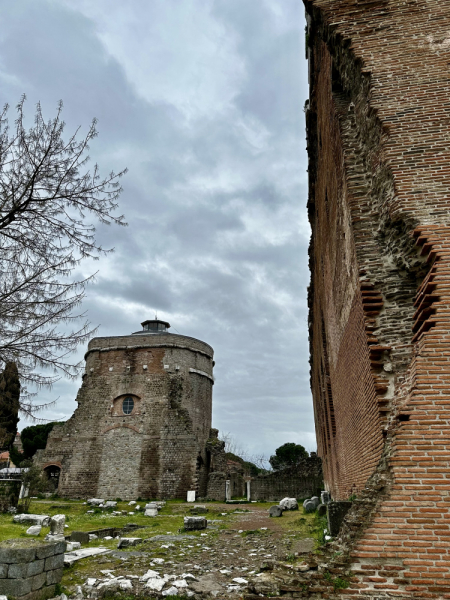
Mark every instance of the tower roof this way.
pixel 154 326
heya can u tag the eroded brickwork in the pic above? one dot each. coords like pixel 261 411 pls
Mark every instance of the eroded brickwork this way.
pixel 158 449
pixel 378 124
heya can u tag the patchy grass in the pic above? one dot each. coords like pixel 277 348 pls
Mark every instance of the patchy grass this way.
pixel 78 519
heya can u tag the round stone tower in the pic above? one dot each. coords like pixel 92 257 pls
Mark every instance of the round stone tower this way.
pixel 143 418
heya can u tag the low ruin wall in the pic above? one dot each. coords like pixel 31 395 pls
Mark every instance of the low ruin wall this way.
pixel 30 569
pixel 302 481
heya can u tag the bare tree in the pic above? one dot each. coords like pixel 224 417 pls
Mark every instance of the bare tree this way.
pixel 232 445
pixel 48 199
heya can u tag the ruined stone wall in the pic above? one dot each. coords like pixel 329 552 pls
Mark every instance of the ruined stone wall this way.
pixel 378 122
pixel 156 451
pixel 302 481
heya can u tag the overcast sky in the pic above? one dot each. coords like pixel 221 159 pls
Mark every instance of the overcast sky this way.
pixel 203 101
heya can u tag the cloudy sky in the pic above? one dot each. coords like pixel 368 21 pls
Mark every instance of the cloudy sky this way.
pixel 203 101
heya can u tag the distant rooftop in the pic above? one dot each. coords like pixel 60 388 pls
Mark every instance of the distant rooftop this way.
pixel 153 326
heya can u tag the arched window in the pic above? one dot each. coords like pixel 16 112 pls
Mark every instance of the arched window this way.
pixel 127 405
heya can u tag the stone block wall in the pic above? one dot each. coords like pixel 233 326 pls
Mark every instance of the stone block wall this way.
pixel 302 481
pixel 30 569
pixel 378 122
pixel 156 451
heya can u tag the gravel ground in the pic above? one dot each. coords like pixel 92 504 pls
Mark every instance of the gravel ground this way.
pixel 215 563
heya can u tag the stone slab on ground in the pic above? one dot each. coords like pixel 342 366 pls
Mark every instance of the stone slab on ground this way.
pixel 43 520
pixel 71 557
pixel 198 509
pixel 126 542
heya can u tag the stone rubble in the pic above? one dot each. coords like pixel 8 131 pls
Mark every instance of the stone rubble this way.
pixel 34 530
pixel 289 504
pixel 43 520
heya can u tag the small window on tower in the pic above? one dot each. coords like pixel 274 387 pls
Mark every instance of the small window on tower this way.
pixel 128 405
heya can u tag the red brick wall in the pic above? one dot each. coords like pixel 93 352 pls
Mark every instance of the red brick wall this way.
pixel 379 145
pixel 347 420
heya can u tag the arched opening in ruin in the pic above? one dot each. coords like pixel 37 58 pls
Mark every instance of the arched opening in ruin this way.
pixel 53 473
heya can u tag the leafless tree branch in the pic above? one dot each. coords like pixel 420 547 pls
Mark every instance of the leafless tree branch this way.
pixel 47 200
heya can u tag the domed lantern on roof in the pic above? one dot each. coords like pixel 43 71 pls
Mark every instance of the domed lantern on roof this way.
pixel 154 326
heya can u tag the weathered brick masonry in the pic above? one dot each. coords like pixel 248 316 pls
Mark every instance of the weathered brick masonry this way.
pixel 142 422
pixel 378 125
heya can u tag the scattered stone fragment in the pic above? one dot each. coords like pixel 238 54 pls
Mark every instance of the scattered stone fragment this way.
pixel 58 537
pixel 150 512
pixel 309 506
pixel 275 511
pixel 57 523
pixel 149 575
pixel 128 541
pixel 240 580
pixel 132 503
pixel 34 530
pixel 95 501
pixel 156 584
pixel 195 523
pixel 110 504
pixel 71 557
pixel 42 520
pixel 325 497
pixel 92 536
pixel 72 546
pixel 172 591
pixel 289 504
pixel 316 501
pixel 198 509
pixel 322 510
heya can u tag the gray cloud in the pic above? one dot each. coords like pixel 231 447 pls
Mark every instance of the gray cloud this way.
pixel 202 100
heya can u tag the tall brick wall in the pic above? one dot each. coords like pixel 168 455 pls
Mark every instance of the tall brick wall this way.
pixel 378 123
pixel 157 451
